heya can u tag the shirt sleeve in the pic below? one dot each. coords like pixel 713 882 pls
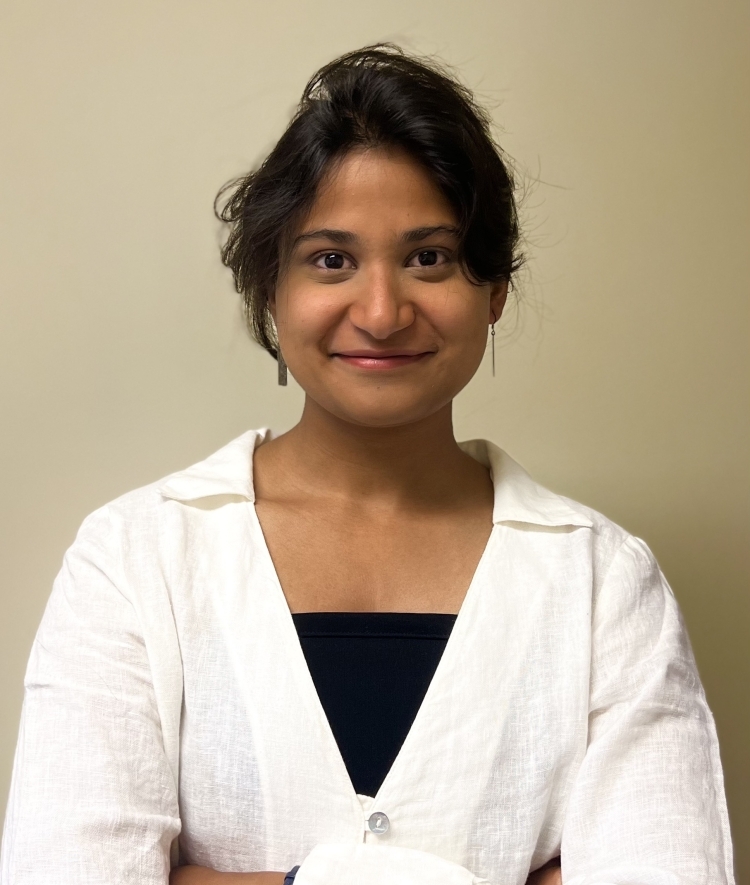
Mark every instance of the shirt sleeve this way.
pixel 93 799
pixel 648 805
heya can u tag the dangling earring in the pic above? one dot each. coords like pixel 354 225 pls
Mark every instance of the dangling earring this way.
pixel 493 344
pixel 282 367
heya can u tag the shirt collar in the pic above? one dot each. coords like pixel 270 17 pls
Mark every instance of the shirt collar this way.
pixel 517 497
pixel 226 472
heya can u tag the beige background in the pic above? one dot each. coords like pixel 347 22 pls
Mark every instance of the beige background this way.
pixel 623 379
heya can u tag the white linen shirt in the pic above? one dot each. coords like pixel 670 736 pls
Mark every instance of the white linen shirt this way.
pixel 167 695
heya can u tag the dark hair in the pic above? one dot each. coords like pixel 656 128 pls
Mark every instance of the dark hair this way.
pixel 372 97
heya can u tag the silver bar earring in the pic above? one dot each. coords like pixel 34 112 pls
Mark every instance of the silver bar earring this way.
pixel 282 367
pixel 493 348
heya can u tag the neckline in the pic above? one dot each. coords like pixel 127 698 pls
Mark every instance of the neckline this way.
pixel 389 614
pixel 374 625
pixel 307 690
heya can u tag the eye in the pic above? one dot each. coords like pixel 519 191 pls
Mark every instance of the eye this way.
pixel 429 258
pixel 330 261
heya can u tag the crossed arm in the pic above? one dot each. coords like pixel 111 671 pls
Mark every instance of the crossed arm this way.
pixel 204 876
pixel 549 874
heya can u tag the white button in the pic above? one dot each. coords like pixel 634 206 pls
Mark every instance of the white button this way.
pixel 378 823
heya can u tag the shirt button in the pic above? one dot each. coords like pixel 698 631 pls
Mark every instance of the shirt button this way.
pixel 378 823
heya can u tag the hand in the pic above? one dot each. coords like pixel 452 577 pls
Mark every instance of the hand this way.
pixel 549 874
pixel 192 875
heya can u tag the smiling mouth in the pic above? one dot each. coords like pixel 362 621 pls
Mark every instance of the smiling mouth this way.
pixel 382 363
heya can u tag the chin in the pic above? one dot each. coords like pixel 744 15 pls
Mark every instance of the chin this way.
pixel 383 415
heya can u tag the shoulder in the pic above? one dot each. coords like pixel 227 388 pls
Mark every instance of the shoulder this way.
pixel 630 594
pixel 521 500
pixel 621 571
pixel 148 515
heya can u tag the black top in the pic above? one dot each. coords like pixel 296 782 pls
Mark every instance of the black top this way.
pixel 371 671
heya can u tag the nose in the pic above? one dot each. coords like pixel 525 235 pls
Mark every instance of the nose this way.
pixel 380 307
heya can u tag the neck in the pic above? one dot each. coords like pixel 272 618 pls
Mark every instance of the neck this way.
pixel 392 466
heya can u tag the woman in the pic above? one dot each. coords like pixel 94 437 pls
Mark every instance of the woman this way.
pixel 361 651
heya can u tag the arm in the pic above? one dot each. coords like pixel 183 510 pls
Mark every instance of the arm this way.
pixel 191 875
pixel 648 802
pixel 549 874
pixel 344 863
pixel 93 799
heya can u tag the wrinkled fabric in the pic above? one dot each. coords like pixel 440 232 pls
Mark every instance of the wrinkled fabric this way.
pixel 169 715
pixel 373 864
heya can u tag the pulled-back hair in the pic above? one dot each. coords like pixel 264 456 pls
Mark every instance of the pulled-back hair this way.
pixel 377 96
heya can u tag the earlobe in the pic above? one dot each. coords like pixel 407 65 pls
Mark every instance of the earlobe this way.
pixel 498 297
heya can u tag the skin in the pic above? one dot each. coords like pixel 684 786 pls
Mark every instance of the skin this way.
pixel 372 472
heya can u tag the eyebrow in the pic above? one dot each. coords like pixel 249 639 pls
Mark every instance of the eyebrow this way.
pixel 415 235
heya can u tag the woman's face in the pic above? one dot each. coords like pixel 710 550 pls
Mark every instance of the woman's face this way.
pixel 375 318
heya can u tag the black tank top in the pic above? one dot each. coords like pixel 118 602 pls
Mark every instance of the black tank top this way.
pixel 371 671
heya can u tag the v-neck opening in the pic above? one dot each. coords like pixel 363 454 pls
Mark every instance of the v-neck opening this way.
pixel 297 659
pixel 371 671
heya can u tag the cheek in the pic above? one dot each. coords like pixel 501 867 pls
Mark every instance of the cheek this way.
pixel 308 318
pixel 312 328
pixel 460 321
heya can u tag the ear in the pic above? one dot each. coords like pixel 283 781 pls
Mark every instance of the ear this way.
pixel 498 297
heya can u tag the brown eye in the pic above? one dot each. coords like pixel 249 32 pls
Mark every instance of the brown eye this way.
pixel 333 261
pixel 428 258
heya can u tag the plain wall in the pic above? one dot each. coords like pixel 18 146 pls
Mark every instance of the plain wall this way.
pixel 622 379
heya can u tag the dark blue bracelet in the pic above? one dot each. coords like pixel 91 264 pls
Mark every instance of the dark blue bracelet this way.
pixel 290 875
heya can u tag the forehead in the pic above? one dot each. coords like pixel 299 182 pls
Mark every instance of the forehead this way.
pixel 378 188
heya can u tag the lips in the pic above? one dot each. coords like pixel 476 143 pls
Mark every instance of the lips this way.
pixel 380 362
pixel 379 354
